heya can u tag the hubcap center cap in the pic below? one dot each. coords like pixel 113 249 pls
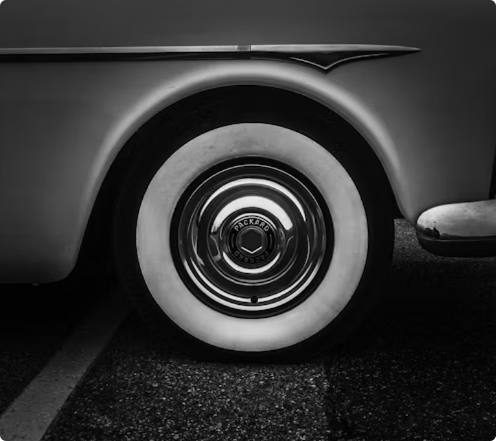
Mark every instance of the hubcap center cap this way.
pixel 252 240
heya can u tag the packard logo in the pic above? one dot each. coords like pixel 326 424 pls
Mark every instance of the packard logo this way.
pixel 251 221
pixel 251 260
pixel 252 241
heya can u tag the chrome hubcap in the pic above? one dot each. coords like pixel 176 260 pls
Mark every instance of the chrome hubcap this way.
pixel 251 238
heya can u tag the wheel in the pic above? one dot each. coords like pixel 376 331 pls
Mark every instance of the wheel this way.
pixel 242 238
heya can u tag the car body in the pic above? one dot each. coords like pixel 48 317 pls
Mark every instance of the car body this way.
pixel 416 79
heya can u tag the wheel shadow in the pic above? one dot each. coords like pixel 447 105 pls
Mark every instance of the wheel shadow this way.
pixel 437 302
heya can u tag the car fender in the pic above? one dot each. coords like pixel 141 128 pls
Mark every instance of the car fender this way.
pixel 63 127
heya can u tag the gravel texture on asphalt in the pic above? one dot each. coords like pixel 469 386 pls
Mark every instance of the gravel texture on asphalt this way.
pixel 425 369
pixel 139 390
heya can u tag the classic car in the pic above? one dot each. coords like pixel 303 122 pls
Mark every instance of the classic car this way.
pixel 244 161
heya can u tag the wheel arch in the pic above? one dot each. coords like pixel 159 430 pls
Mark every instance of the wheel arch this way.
pixel 303 85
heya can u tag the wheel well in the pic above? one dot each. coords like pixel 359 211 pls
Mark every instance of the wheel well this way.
pixel 97 241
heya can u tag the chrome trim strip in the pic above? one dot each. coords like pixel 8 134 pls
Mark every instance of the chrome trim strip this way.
pixel 321 56
pixel 122 50
pixel 328 48
pixel 281 48
pixel 345 58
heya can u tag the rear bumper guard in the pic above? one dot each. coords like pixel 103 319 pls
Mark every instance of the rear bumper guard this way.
pixel 465 229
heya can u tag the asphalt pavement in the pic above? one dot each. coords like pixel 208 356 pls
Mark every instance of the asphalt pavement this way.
pixel 424 369
pixel 35 322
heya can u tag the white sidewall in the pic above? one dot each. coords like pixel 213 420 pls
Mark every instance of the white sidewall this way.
pixel 326 173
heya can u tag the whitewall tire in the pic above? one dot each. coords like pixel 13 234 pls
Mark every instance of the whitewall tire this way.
pixel 247 239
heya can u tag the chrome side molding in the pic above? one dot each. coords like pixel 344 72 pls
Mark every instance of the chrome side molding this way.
pixel 321 56
pixel 327 56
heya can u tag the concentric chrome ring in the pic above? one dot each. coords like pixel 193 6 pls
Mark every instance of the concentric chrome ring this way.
pixel 251 237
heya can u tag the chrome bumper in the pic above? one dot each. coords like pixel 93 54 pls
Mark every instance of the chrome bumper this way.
pixel 459 230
